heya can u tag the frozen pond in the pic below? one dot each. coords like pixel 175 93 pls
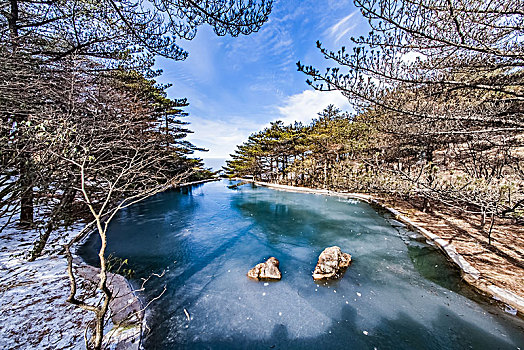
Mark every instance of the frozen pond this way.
pixel 399 293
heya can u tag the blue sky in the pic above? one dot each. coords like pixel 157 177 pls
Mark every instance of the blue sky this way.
pixel 237 86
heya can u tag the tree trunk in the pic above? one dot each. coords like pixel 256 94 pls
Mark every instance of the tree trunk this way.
pixel 325 173
pixel 271 169
pixel 65 202
pixel 491 227
pixel 167 132
pixel 25 179
pixel 12 21
pixel 26 187
pixel 426 205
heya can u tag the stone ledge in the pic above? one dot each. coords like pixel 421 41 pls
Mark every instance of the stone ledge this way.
pixel 125 309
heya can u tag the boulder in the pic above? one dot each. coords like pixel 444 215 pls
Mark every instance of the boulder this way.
pixel 331 264
pixel 266 271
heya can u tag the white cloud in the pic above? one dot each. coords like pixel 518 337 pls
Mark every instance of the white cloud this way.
pixel 221 137
pixel 274 44
pixel 344 32
pixel 412 56
pixel 200 65
pixel 305 106
pixel 342 27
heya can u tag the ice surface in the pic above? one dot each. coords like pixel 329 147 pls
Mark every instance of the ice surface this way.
pixel 399 292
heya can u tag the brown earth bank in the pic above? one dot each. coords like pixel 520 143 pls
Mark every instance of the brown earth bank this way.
pixel 500 264
pixel 495 270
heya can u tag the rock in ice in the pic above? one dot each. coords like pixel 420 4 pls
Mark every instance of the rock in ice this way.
pixel 266 271
pixel 331 264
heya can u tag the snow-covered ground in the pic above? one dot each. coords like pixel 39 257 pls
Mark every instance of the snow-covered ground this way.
pixel 34 313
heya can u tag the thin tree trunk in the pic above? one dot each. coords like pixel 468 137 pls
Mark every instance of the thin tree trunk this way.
pixel 167 132
pixel 25 179
pixel 491 227
pixel 101 312
pixel 325 173
pixel 426 206
pixel 12 21
pixel 26 185
pixel 26 198
pixel 66 201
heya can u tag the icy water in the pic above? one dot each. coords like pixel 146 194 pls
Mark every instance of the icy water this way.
pixel 399 293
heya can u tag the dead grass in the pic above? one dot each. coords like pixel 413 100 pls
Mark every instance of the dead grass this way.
pixel 501 263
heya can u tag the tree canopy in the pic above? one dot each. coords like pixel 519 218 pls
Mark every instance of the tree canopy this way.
pixel 444 82
pixel 110 29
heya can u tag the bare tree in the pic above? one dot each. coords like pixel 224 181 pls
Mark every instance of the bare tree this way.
pixel 443 83
pixel 111 154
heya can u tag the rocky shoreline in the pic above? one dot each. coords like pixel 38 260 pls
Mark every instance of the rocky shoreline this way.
pixel 470 274
pixel 126 310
